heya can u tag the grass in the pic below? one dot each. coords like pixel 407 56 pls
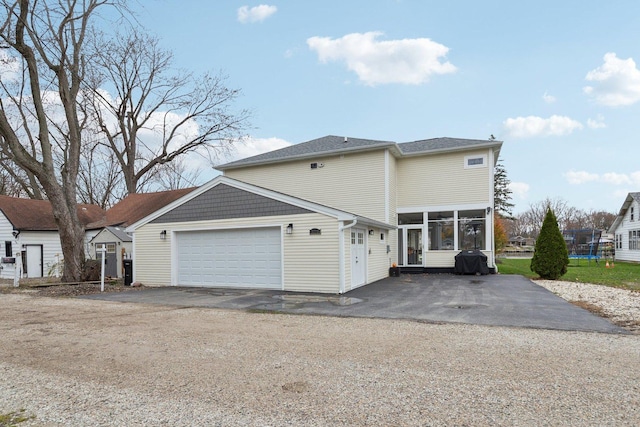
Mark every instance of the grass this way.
pixel 622 275
pixel 14 418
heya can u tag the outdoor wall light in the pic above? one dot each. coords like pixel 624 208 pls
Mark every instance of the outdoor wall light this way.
pixel 371 232
pixel 488 210
pixel 289 229
pixel 163 234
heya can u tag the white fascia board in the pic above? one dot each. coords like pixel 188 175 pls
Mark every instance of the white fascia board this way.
pixel 489 144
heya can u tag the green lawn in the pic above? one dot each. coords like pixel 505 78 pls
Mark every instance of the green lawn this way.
pixel 622 275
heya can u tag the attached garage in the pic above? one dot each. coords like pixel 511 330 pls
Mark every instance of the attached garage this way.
pixel 236 258
pixel 230 234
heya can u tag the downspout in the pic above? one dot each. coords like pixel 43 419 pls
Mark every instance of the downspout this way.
pixel 341 266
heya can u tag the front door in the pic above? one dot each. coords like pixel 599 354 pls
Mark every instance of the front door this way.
pixel 34 261
pixel 414 246
pixel 110 259
pixel 358 260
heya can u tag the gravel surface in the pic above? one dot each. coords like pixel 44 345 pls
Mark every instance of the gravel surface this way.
pixel 71 362
pixel 620 306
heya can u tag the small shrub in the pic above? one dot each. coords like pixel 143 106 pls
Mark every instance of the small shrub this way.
pixel 550 257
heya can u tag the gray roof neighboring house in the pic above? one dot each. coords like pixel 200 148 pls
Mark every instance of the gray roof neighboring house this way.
pixel 333 145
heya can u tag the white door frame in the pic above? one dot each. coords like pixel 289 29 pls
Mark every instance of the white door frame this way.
pixel 358 238
pixel 33 257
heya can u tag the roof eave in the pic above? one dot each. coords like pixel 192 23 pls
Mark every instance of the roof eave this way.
pixel 492 144
pixel 393 146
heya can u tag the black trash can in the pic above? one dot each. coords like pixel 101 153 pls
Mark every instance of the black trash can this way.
pixel 128 271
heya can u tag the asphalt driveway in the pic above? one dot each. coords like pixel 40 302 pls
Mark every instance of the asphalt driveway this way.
pixel 498 300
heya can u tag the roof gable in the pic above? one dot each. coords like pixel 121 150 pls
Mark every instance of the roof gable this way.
pixel 224 202
pixel 37 215
pixel 628 202
pixel 305 205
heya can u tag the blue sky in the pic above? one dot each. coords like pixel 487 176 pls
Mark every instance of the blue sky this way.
pixel 557 81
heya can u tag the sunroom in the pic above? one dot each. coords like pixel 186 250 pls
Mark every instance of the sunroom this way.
pixel 429 241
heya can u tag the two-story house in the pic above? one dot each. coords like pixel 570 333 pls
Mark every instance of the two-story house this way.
pixel 327 215
pixel 626 229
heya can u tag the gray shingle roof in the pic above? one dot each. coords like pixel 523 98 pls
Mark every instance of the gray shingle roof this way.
pixel 444 144
pixel 333 145
pixel 326 145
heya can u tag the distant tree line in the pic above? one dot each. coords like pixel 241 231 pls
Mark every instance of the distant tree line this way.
pixel 528 223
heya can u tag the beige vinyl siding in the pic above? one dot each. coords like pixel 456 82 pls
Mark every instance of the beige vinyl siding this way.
pixel 152 256
pixel 442 180
pixel 378 261
pixel 447 259
pixel 351 182
pixel 310 261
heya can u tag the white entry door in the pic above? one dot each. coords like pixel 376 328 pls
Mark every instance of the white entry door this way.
pixel 34 260
pixel 358 258
pixel 238 258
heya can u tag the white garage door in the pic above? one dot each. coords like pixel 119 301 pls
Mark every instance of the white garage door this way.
pixel 243 258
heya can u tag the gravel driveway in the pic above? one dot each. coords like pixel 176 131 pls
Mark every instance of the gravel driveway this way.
pixel 95 363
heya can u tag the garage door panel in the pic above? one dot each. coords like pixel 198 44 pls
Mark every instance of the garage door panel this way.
pixel 250 258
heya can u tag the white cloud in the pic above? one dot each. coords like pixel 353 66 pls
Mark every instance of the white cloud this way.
pixel 597 123
pixel 519 189
pixel 617 82
pixel 251 146
pixel 406 61
pixel 532 126
pixel 610 178
pixel 616 178
pixel 549 99
pixel 580 177
pixel 256 13
pixel 9 68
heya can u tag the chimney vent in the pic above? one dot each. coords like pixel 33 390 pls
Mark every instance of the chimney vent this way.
pixel 346 139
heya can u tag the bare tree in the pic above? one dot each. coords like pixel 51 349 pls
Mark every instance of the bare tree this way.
pixel 528 223
pixel 99 178
pixel 157 114
pixel 48 38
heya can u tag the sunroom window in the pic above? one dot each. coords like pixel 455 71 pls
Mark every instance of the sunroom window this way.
pixel 441 231
pixel 471 229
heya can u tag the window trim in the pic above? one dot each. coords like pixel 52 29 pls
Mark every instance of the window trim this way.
pixel 469 158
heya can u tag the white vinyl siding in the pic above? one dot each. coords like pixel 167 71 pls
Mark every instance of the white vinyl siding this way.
pixel 51 248
pixel 623 229
pixel 442 180
pixel 353 182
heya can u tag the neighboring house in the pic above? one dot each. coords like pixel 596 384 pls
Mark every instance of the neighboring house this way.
pixel 626 229
pixel 354 208
pixel 110 230
pixel 31 239
pixel 117 245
